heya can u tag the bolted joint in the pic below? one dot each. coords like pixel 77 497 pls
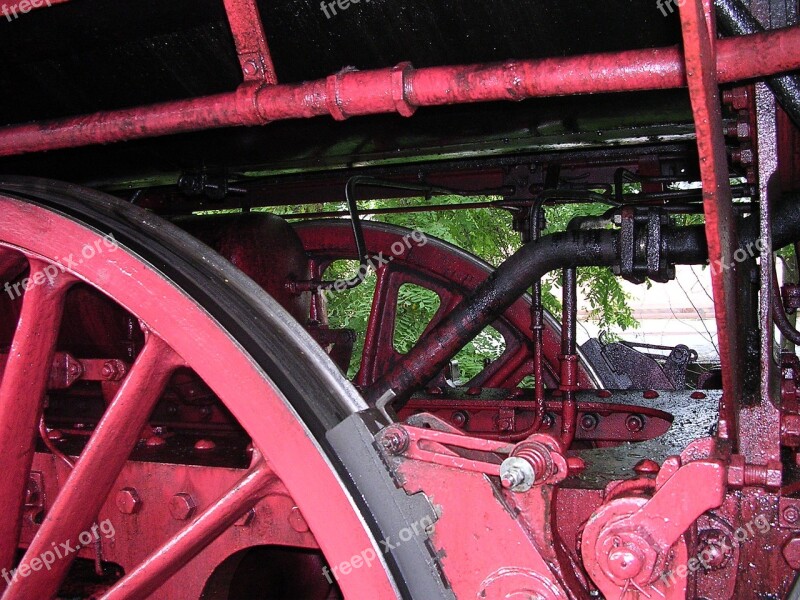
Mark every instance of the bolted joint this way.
pixel 517 474
pixel 395 440
pixel 790 293
pixel 128 501
pixel 714 549
pixel 742 474
pixel 182 507
pixel 531 463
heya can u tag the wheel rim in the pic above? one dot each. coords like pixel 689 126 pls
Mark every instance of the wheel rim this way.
pixel 180 331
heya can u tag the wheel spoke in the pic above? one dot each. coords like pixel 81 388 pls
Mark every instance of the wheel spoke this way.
pixel 204 529
pixel 380 328
pixel 98 467
pixel 21 391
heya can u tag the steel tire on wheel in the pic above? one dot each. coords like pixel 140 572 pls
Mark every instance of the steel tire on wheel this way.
pixel 303 416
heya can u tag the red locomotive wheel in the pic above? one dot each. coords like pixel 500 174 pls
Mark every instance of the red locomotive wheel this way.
pixel 450 272
pixel 196 311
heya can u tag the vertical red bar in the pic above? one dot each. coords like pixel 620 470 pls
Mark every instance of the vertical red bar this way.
pixel 251 41
pixel 700 59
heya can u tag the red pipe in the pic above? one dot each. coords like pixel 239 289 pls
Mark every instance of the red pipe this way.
pixel 402 89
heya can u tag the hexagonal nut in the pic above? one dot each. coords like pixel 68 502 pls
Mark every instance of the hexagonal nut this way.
pixel 182 507
pixel 774 475
pixel 736 471
pixel 128 501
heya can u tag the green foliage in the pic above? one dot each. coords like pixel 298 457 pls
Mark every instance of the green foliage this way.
pixel 608 302
pixel 416 307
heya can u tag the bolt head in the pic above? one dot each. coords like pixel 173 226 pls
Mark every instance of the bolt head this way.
pixel 128 501
pixel 155 441
pixel 459 418
pixel 182 507
pixel 250 68
pixel 714 548
pixel 395 440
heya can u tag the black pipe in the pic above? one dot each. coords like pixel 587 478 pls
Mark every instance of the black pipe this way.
pixel 686 245
pixel 735 19
pixel 569 355
pixel 779 313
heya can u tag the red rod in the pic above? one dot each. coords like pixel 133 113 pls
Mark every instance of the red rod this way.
pixel 250 40
pixel 402 89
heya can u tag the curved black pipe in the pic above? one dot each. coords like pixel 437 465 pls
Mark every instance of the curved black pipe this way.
pixel 535 259
pixel 735 19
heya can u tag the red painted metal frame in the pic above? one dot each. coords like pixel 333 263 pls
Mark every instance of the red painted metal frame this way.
pixel 250 40
pixel 402 89
pixel 699 41
pixel 189 332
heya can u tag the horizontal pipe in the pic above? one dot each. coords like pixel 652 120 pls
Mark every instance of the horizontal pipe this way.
pixel 568 249
pixel 402 89
pixel 735 19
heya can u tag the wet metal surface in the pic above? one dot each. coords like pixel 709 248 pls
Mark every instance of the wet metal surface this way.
pixel 693 419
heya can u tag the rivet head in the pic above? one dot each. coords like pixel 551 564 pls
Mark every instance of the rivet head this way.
pixel 204 445
pixel 647 466
pixel 297 521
